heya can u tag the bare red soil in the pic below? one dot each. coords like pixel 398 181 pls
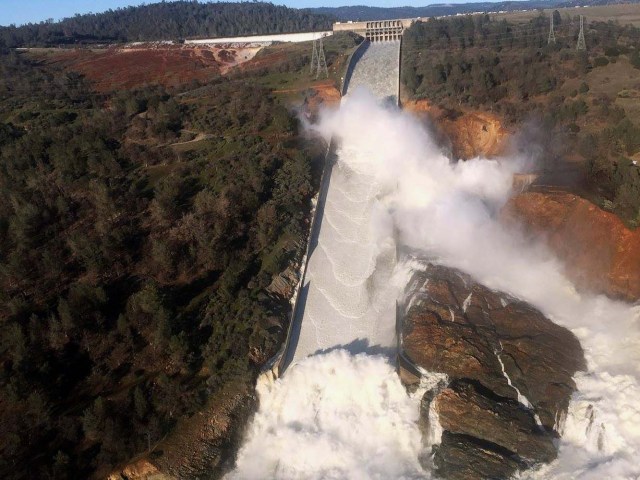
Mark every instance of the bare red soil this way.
pixel 168 65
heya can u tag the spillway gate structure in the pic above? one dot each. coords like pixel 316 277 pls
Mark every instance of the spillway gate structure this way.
pixel 377 31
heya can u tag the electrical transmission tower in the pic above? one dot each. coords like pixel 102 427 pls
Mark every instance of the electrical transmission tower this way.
pixel 552 34
pixel 314 56
pixel 322 61
pixel 582 45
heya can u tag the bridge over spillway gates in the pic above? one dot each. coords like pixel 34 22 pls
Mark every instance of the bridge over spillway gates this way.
pixel 344 301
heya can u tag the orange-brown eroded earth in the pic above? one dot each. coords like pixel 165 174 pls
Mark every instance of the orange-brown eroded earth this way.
pixel 600 253
pixel 324 95
pixel 470 133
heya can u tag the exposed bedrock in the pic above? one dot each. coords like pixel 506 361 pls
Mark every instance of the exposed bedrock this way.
pixel 510 373
pixel 467 458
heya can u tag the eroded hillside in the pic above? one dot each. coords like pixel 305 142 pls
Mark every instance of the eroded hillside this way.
pixel 579 109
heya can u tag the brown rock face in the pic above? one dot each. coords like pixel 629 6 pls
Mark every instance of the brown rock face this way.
pixel 599 252
pixel 510 371
pixel 471 133
pixel 140 470
pixel 466 458
pixel 466 409
pixel 322 95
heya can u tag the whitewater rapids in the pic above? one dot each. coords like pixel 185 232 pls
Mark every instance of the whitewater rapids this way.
pixel 340 415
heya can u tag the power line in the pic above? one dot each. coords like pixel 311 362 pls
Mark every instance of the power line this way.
pixel 452 48
pixel 552 35
pixel 318 59
pixel 513 31
pixel 513 35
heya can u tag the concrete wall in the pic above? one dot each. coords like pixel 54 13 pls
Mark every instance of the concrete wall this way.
pixel 276 366
pixel 263 39
pixel 346 301
pixel 351 62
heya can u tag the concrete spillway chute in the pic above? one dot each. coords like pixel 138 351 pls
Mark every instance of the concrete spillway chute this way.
pixel 343 301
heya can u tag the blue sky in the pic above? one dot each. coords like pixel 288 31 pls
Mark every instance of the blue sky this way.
pixel 24 11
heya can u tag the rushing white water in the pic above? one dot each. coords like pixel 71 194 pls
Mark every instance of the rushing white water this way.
pixel 334 416
pixel 340 416
pixel 378 71
pixel 343 414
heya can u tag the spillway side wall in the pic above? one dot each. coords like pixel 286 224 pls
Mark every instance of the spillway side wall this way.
pixel 399 73
pixel 311 240
pixel 351 63
pixel 276 366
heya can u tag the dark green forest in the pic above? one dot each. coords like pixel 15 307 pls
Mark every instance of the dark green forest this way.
pixel 133 274
pixel 166 21
pixel 475 62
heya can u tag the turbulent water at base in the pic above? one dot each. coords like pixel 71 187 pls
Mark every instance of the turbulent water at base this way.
pixel 340 415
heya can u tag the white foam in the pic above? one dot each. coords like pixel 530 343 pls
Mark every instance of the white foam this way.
pixel 334 416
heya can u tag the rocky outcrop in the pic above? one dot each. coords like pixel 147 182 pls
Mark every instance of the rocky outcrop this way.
pixel 140 470
pixel 202 446
pixel 467 408
pixel 284 284
pixel 466 458
pixel 599 252
pixel 510 373
pixel 470 134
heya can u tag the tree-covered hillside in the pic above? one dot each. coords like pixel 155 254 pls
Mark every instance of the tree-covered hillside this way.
pixel 139 232
pixel 167 21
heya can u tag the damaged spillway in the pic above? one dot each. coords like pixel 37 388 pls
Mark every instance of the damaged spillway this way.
pixel 346 300
pixel 339 412
pixel 501 385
